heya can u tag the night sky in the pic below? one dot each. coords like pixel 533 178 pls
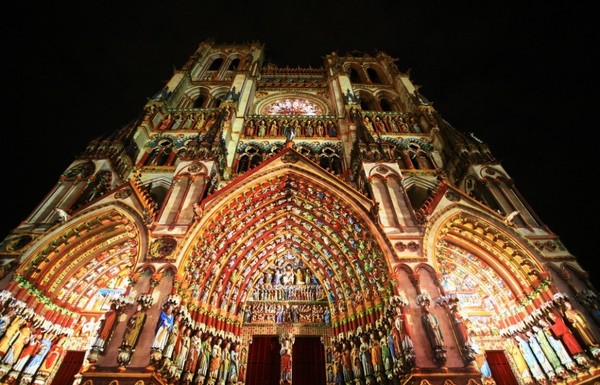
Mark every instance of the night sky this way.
pixel 523 80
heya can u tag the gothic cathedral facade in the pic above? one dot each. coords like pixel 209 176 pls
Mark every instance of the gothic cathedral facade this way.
pixel 328 215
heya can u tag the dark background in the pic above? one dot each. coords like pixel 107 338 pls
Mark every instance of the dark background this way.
pixel 522 78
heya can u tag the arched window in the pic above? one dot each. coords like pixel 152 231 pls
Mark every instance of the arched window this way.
pixel 160 154
pixel 234 64
pixel 200 101
pixel 216 102
pixel 367 102
pixel 420 158
pixel 330 161
pixel 399 156
pixel 364 105
pixel 373 76
pixel 216 64
pixel 353 75
pixel 250 158
pixel 385 105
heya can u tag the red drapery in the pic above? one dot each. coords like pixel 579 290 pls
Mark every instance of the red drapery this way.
pixel 308 361
pixel 501 372
pixel 263 361
pixel 69 368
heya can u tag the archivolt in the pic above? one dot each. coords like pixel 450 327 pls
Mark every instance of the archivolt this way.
pixel 83 256
pixel 287 216
pixel 474 252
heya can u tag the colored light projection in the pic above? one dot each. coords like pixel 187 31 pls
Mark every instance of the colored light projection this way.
pixel 288 226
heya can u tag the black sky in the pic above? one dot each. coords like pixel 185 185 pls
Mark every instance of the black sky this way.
pixel 523 79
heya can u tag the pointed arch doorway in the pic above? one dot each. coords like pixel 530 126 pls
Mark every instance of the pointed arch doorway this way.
pixel 264 361
pixel 286 252
pixel 308 361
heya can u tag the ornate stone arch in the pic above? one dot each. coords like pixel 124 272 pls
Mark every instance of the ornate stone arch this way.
pixel 233 65
pixel 202 97
pixel 215 61
pixel 355 72
pixel 283 215
pixel 375 73
pixel 406 269
pixel 193 168
pixel 485 265
pixel 104 245
pixel 389 97
pixel 217 96
pixel 383 171
pixel 368 100
pixel 195 97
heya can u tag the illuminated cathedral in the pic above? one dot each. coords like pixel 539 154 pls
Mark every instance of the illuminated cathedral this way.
pixel 258 224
